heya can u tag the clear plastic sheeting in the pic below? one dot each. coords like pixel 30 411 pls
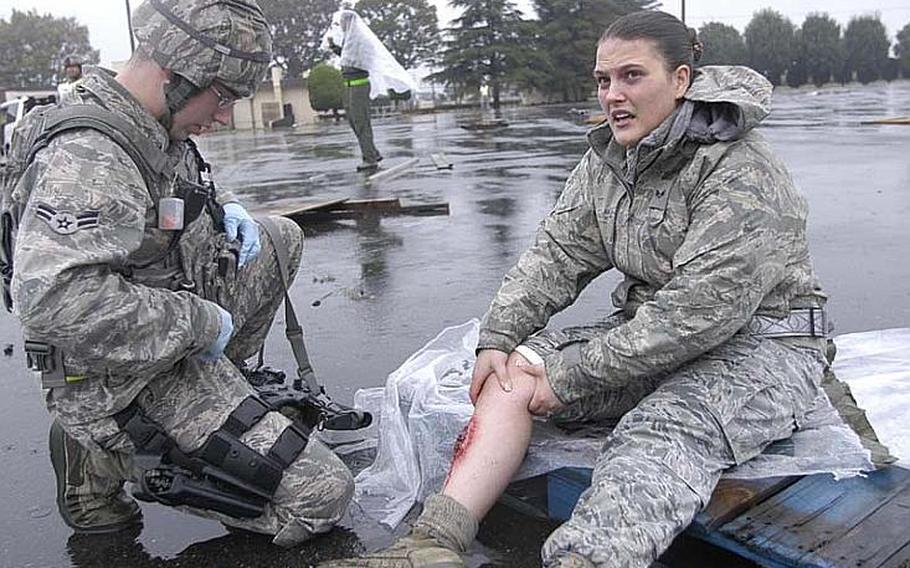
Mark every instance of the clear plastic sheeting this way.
pixel 361 48
pixel 425 405
pixel 421 411
pixel 824 444
pixel 876 365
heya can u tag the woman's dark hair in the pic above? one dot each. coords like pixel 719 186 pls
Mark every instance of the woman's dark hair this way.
pixel 677 44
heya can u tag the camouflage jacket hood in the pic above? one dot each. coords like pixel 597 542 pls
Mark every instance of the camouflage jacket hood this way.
pixel 726 103
pixel 722 104
pixel 701 219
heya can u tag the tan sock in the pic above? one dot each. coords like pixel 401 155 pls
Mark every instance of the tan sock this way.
pixel 448 521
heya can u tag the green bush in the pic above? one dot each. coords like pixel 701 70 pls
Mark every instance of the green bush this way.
pixel 325 86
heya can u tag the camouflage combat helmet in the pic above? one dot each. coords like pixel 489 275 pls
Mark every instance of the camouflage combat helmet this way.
pixel 203 41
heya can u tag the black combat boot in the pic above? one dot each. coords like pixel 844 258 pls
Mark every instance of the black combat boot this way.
pixel 90 495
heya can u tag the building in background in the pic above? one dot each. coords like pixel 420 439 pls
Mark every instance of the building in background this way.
pixel 280 101
pixel 269 105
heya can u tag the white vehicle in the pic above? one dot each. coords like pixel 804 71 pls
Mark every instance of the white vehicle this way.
pixel 11 112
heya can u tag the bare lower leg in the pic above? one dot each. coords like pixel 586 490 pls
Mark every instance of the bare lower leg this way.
pixel 491 448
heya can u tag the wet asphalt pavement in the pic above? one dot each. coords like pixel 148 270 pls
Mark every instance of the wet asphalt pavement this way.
pixel 384 287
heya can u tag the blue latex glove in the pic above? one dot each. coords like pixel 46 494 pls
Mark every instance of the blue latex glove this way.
pixel 236 217
pixel 216 349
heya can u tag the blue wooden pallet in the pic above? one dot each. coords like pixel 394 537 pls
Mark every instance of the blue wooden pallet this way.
pixel 808 522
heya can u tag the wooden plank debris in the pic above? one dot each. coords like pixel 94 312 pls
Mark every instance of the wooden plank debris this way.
pixel 881 538
pixel 316 206
pixel 283 209
pixel 441 161
pixel 343 209
pixel 904 120
pixel 378 204
pixel 484 124
pixel 394 171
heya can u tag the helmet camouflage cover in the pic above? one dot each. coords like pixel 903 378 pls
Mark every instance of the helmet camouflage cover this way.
pixel 204 40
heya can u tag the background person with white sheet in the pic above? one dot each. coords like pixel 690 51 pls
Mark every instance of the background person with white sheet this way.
pixel 368 70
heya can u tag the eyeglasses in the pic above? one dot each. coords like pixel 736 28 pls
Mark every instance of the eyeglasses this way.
pixel 224 100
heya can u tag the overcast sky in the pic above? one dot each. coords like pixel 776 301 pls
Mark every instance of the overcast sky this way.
pixel 106 19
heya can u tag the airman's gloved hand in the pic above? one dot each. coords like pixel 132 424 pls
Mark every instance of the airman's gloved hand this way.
pixel 236 217
pixel 216 349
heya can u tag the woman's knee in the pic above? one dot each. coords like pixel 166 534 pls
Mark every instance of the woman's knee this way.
pixel 494 397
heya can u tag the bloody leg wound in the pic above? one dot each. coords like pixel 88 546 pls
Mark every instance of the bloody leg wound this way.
pixel 462 443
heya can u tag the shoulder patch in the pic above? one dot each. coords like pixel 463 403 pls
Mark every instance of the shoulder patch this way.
pixel 67 222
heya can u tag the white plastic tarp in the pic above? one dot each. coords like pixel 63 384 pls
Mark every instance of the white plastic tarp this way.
pixel 876 365
pixel 425 405
pixel 361 48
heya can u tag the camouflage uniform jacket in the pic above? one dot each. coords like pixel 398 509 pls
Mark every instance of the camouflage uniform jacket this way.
pixel 109 293
pixel 701 218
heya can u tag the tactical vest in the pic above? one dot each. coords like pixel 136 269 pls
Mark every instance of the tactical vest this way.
pixel 32 135
pixel 36 131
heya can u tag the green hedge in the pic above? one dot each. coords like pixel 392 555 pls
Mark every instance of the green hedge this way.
pixel 325 86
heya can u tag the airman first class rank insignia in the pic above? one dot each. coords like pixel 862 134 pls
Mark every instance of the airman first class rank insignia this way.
pixel 66 222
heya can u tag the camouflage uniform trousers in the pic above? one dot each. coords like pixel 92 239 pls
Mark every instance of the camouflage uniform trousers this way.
pixel 676 434
pixel 356 101
pixel 195 399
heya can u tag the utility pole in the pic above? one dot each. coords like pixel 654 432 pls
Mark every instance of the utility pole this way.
pixel 129 26
pixel 683 12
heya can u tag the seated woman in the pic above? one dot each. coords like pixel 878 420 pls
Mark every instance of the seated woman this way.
pixel 717 347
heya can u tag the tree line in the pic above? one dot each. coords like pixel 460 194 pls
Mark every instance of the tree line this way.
pixel 817 52
pixel 34 47
pixel 493 43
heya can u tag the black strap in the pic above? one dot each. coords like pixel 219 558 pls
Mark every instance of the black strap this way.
pixel 245 416
pixel 248 413
pixel 225 450
pixel 259 56
pixel 223 456
pixel 289 444
pixel 293 331
pixel 231 456
pixel 149 437
pixel 152 162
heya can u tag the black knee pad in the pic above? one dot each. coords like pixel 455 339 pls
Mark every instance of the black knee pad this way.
pixel 224 475
pixel 224 451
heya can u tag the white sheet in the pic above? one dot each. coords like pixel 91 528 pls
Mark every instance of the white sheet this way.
pixel 362 49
